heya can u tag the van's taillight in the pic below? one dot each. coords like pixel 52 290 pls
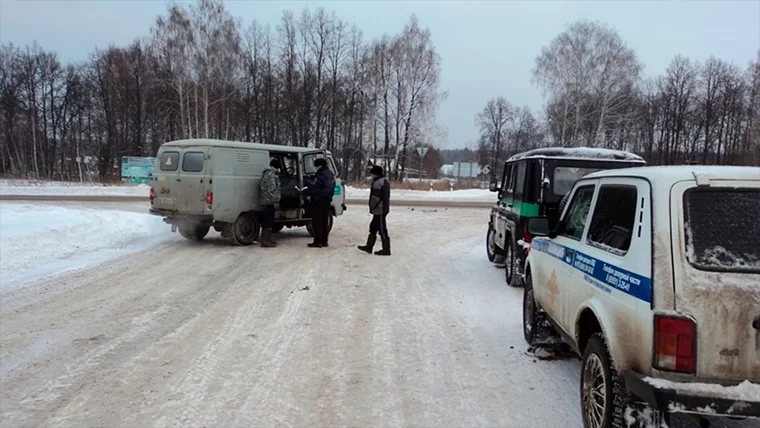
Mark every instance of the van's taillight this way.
pixel 152 194
pixel 209 197
pixel 675 341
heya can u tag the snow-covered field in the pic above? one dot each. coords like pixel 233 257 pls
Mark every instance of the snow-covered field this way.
pixel 40 240
pixel 37 188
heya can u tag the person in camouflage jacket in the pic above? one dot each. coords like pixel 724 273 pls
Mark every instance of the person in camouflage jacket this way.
pixel 270 198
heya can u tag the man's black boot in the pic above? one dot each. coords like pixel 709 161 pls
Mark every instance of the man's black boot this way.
pixel 371 239
pixel 386 251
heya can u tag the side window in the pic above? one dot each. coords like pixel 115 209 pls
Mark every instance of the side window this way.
pixel 575 220
pixel 520 179
pixel 192 162
pixel 611 226
pixel 169 161
pixel 506 180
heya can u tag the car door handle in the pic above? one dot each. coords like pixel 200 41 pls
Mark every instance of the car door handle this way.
pixel 179 179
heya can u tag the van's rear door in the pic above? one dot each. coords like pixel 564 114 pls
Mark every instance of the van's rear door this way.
pixel 717 274
pixel 192 182
pixel 165 182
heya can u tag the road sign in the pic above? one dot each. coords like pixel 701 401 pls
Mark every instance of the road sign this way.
pixel 422 151
pixel 137 170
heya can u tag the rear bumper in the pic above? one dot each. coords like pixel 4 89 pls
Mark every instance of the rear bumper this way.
pixel 174 217
pixel 672 400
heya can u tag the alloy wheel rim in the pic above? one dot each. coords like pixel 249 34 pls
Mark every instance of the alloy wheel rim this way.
pixel 594 392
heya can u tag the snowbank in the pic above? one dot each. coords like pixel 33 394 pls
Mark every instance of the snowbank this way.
pixel 417 195
pixel 746 390
pixel 41 188
pixel 38 240
pixel 47 188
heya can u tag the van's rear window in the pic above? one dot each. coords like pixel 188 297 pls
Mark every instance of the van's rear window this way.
pixel 192 162
pixel 722 226
pixel 169 161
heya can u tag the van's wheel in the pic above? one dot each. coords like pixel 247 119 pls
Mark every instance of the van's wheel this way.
pixel 603 401
pixel 193 232
pixel 510 264
pixel 277 227
pixel 245 230
pixel 491 248
pixel 310 226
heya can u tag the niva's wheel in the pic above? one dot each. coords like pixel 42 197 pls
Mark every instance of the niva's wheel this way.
pixel 603 401
pixel 491 248
pixel 245 230
pixel 530 324
pixel 277 227
pixel 193 232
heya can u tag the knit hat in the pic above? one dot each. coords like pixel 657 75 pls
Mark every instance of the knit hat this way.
pixel 320 163
pixel 376 170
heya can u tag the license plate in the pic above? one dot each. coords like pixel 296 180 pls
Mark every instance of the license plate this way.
pixel 165 201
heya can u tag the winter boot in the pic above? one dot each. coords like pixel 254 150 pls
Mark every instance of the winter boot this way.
pixel 386 251
pixel 271 239
pixel 266 239
pixel 371 239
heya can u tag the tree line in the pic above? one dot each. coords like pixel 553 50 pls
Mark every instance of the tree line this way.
pixel 312 81
pixel 696 113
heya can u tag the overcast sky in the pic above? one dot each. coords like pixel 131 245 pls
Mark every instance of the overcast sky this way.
pixel 488 48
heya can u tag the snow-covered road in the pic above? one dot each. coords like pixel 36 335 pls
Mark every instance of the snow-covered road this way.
pixel 209 334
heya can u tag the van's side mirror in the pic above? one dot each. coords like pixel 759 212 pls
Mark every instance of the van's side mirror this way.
pixel 539 226
pixel 493 186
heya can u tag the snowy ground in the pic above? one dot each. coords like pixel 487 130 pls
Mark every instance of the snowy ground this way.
pixel 23 187
pixel 146 329
pixel 210 334
pixel 40 240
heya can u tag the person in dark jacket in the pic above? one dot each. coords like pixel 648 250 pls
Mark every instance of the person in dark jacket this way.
pixel 321 193
pixel 379 207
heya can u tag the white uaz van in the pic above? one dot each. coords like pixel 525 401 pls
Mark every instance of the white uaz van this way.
pixel 652 274
pixel 199 184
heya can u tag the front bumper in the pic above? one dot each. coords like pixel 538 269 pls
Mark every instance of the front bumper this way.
pixel 672 400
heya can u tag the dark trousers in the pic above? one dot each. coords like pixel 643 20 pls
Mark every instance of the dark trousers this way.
pixel 267 217
pixel 378 225
pixel 319 222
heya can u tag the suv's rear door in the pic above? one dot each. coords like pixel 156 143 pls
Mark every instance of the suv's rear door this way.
pixel 166 174
pixel 716 234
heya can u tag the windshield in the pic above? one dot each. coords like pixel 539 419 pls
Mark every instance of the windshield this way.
pixel 566 176
pixel 721 229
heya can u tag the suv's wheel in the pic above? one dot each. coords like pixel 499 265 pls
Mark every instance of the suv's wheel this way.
pixel 193 232
pixel 245 230
pixel 491 248
pixel 510 265
pixel 277 227
pixel 603 402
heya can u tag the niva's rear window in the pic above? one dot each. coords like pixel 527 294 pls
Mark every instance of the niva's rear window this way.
pixel 169 161
pixel 722 228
